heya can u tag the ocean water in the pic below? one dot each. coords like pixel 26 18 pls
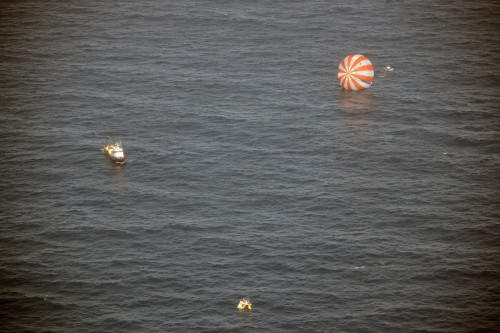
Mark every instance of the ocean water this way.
pixel 250 171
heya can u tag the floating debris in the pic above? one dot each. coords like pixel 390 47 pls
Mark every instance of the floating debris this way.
pixel 245 302
pixel 389 68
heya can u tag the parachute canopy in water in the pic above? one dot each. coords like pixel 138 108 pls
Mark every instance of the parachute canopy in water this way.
pixel 355 72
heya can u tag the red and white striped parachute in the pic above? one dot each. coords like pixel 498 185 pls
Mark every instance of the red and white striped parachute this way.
pixel 355 72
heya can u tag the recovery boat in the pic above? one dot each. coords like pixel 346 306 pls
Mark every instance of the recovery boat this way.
pixel 114 151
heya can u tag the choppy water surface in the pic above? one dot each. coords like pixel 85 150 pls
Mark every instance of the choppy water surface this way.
pixel 250 172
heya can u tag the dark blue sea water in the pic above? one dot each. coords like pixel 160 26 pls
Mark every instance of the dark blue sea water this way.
pixel 250 172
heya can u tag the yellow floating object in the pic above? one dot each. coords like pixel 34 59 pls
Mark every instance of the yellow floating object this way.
pixel 245 302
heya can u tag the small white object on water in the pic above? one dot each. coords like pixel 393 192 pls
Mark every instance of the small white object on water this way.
pixel 389 68
pixel 245 302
